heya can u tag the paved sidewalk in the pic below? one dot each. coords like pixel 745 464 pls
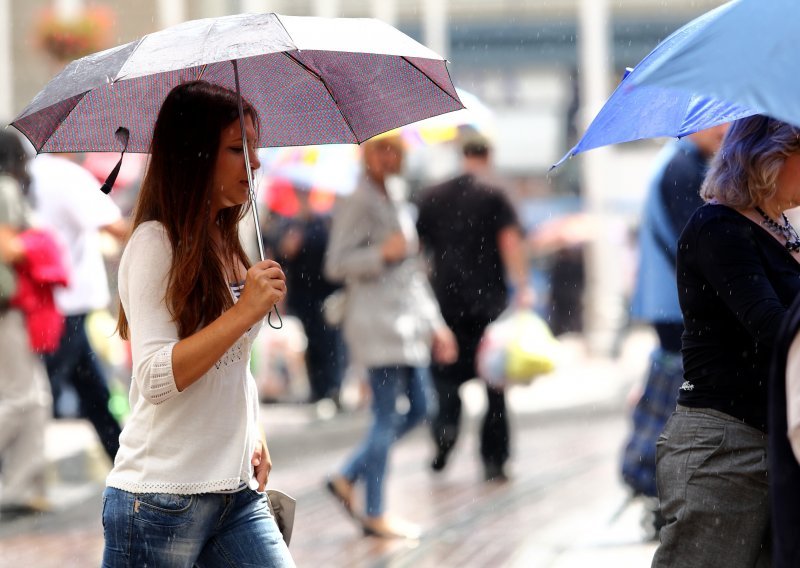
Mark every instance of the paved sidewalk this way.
pixel 558 512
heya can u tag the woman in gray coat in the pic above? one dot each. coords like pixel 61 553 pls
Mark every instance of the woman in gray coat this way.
pixel 391 325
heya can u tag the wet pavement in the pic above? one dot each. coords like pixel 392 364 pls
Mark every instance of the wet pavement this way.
pixel 559 509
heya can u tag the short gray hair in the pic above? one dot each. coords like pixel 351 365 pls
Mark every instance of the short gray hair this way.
pixel 744 171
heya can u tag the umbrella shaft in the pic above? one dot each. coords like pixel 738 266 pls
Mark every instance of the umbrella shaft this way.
pixel 246 150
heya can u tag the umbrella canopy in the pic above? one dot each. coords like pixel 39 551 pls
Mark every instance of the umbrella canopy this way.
pixel 746 54
pixel 652 111
pixel 311 80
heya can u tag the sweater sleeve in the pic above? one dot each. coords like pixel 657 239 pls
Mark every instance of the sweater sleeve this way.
pixel 153 334
pixel 351 252
pixel 729 259
pixel 426 300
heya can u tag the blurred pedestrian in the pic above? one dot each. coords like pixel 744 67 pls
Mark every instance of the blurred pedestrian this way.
pixel 391 322
pixel 69 201
pixel 673 195
pixel 25 400
pixel 470 232
pixel 187 487
pixel 737 272
pixel 300 245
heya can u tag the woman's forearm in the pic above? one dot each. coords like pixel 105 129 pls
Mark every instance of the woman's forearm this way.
pixel 194 356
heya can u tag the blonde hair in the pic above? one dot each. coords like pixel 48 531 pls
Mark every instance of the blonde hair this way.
pixel 744 171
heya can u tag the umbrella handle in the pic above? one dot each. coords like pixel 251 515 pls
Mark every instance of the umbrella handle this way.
pixel 250 184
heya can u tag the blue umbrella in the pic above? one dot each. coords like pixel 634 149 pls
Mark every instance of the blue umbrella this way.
pixel 746 54
pixel 654 111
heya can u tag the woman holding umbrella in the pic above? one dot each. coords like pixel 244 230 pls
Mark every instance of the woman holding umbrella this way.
pixel 738 270
pixel 187 484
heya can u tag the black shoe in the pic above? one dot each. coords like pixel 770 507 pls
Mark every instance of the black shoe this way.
pixel 494 472
pixel 440 461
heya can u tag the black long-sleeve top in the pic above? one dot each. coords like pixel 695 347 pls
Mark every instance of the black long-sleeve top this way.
pixel 735 284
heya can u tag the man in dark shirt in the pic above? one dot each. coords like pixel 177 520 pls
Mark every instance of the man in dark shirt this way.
pixel 470 233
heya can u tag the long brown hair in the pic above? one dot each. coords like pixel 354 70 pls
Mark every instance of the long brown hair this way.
pixel 176 192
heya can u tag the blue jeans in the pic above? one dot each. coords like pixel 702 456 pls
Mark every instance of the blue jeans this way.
pixel 368 464
pixel 183 531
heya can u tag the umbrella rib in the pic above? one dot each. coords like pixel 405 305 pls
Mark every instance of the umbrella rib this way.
pixel 132 53
pixel 330 93
pixel 434 82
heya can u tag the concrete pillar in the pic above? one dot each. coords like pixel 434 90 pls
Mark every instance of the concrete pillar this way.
pixel 325 8
pixel 385 10
pixel 6 64
pixel 604 307
pixel 434 25
pixel 170 12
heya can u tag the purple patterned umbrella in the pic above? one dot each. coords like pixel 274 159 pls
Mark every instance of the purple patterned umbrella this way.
pixel 311 80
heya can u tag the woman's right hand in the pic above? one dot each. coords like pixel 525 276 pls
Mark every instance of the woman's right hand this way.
pixel 394 248
pixel 193 356
pixel 265 286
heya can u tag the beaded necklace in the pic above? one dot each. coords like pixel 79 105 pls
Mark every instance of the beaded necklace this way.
pixel 786 230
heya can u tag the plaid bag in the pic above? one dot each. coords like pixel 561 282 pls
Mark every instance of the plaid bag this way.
pixel 649 417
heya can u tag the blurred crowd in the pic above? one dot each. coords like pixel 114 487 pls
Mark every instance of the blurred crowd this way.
pixel 309 360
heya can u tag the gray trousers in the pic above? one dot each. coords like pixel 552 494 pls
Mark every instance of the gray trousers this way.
pixel 711 472
pixel 25 409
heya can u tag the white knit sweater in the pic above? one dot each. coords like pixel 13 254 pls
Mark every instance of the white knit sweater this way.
pixel 200 440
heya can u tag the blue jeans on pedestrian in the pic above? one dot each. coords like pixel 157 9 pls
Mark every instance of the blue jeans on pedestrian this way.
pixel 368 464
pixel 182 531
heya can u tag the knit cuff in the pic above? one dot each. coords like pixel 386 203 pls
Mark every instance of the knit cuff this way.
pixel 161 384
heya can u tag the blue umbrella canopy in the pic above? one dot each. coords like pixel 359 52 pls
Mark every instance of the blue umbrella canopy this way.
pixel 744 52
pixel 652 111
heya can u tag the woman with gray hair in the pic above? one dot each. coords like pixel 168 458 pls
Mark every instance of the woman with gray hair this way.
pixel 738 271
pixel 738 266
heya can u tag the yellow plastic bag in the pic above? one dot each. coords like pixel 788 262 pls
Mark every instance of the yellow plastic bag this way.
pixel 516 349
pixel 531 351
